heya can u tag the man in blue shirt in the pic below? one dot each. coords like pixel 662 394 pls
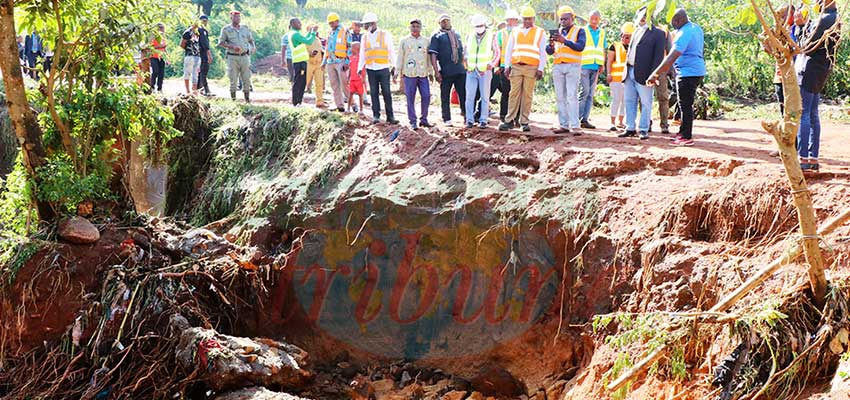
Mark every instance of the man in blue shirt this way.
pixel 687 57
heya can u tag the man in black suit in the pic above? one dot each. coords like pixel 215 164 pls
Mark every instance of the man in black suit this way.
pixel 645 54
pixel 33 51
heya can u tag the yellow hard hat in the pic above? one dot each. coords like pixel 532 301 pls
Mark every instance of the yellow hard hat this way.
pixel 565 10
pixel 527 12
pixel 332 17
pixel 628 28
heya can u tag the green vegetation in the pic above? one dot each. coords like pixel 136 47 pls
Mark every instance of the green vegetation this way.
pixel 87 112
pixel 646 332
pixel 268 153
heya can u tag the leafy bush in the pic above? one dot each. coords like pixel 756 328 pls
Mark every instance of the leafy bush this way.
pixel 65 189
pixel 16 215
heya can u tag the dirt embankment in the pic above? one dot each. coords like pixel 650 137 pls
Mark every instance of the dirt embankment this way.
pixel 460 263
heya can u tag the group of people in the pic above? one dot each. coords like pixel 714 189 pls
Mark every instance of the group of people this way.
pixel 197 56
pixel 509 59
pixel 238 41
pixel 32 52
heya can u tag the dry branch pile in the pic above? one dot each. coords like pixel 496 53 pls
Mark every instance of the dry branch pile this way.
pixel 123 343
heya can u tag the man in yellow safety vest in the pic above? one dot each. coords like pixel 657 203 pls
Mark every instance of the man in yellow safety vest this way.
pixel 616 67
pixel 336 61
pixel 525 59
pixel 300 56
pixel 480 58
pixel 566 47
pixel 376 53
pixel 592 64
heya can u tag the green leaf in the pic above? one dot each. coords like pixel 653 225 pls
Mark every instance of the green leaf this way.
pixel 671 11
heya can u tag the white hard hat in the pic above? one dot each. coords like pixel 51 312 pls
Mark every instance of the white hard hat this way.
pixel 369 17
pixel 511 14
pixel 478 19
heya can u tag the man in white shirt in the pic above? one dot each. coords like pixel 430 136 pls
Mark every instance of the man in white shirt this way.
pixel 376 55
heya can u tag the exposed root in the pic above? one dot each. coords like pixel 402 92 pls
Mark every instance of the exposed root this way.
pixel 788 344
pixel 121 345
pixel 732 214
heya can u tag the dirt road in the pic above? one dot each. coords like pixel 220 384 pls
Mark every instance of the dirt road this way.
pixel 744 139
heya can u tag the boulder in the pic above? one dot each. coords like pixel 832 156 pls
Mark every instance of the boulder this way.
pixel 78 230
pixel 497 381
pixel 256 393
pixel 454 395
pixel 228 362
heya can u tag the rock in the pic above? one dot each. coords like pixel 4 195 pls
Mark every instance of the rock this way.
pixel 460 384
pixel 361 389
pixel 476 396
pixel 383 387
pixel 200 242
pixel 78 230
pixel 454 395
pixel 554 391
pixel 414 391
pixel 405 379
pixel 438 389
pixel 348 370
pixel 256 393
pixel 497 381
pixel 227 362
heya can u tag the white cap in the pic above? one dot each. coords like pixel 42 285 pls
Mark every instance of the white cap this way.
pixel 511 14
pixel 478 19
pixel 369 17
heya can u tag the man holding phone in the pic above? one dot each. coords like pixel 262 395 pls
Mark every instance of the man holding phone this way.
pixel 567 43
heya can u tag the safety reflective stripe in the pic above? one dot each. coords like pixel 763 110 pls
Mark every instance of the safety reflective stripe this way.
pixel 479 54
pixel 341 49
pixel 594 53
pixel 527 47
pixel 618 68
pixel 299 53
pixel 378 54
pixel 563 53
pixel 503 37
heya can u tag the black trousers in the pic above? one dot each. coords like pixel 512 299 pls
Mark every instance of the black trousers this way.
pixel 459 83
pixel 157 73
pixel 780 97
pixel 504 86
pixel 48 62
pixel 291 69
pixel 687 90
pixel 32 61
pixel 380 79
pixel 299 82
pixel 202 76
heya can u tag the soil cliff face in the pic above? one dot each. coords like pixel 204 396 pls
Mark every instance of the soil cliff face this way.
pixel 479 255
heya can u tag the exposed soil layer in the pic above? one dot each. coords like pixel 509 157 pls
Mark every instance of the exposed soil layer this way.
pixel 449 262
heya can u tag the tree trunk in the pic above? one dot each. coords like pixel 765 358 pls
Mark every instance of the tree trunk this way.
pixel 23 119
pixel 777 42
